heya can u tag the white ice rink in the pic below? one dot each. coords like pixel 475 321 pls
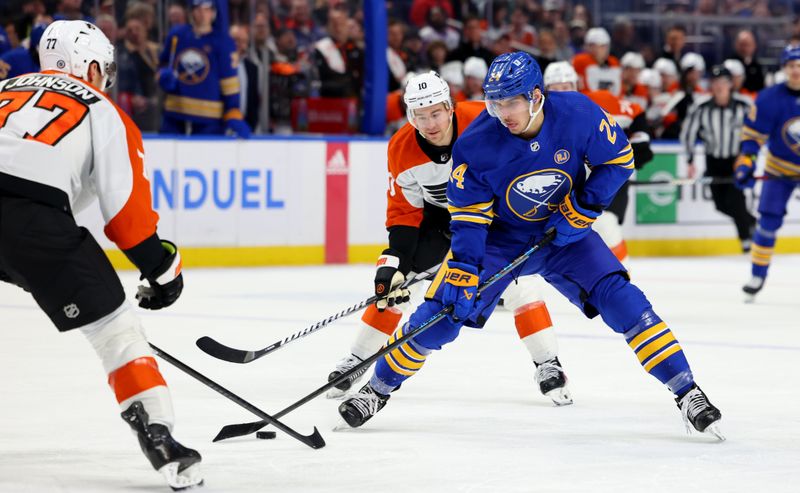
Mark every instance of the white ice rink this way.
pixel 470 421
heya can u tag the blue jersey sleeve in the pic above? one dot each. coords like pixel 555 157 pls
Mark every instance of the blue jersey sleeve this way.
pixel 757 124
pixel 470 200
pixel 609 155
pixel 227 63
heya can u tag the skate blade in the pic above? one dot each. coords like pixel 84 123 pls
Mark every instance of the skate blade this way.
pixel 191 477
pixel 749 298
pixel 560 397
pixel 713 430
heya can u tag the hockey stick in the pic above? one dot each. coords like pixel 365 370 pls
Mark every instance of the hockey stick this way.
pixel 314 440
pixel 235 430
pixel 220 351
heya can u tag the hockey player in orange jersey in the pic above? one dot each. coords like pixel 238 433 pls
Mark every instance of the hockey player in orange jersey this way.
pixel 418 222
pixel 63 143
pixel 560 76
pixel 596 68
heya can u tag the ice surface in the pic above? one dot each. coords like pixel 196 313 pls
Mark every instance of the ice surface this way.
pixel 471 420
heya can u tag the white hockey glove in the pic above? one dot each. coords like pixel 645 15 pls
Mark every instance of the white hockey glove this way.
pixel 388 280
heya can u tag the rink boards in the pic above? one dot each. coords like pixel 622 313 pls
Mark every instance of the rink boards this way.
pixel 297 201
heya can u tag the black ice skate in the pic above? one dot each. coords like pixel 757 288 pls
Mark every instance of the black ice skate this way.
pixel 553 382
pixel 179 465
pixel 358 409
pixel 699 412
pixel 752 288
pixel 343 366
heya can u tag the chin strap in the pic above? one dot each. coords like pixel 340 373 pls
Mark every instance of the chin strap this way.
pixel 533 114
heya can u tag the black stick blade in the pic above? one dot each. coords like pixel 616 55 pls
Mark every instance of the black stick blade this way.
pixel 238 430
pixel 223 352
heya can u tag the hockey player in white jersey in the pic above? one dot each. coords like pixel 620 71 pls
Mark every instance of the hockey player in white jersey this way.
pixel 417 219
pixel 63 143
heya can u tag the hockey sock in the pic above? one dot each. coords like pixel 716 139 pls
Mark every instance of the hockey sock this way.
pixel 133 374
pixel 659 352
pixel 762 250
pixel 374 329
pixel 535 330
pixel 398 365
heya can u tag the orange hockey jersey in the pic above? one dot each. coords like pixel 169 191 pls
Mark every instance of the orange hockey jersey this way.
pixel 418 171
pixel 592 76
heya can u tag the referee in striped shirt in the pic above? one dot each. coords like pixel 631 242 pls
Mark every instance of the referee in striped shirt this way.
pixel 718 120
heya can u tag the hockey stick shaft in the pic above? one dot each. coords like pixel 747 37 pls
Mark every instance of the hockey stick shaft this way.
pixel 235 430
pixel 214 348
pixel 314 440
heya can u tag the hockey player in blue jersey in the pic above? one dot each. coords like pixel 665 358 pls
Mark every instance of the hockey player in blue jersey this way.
pixel 199 76
pixel 518 171
pixel 774 120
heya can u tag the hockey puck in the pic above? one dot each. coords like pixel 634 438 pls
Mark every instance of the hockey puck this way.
pixel 266 435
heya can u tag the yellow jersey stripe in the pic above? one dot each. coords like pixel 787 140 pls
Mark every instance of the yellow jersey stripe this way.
pixel 229 85
pixel 654 346
pixel 661 357
pixel 437 281
pixel 471 219
pixel 622 159
pixel 647 334
pixel 750 130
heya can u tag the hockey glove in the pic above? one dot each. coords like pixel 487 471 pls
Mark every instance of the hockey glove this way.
pixel 388 281
pixel 573 221
pixel 167 79
pixel 460 289
pixel 239 128
pixel 743 170
pixel 165 283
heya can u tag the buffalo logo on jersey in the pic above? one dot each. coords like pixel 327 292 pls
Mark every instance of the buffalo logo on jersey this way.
pixel 193 66
pixel 561 156
pixel 535 196
pixel 791 134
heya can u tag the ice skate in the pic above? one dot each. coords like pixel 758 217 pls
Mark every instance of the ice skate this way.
pixel 362 406
pixel 553 382
pixel 179 465
pixel 752 288
pixel 343 366
pixel 700 413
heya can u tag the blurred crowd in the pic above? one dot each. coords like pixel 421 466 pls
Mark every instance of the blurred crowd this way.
pixel 288 55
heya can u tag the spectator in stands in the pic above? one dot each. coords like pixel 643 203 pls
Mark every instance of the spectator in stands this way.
pixel 305 31
pixel 436 55
pixel 415 49
pixel 438 30
pixel 520 29
pixel 471 44
pixel 571 39
pixel 137 63
pixel 632 65
pixel 146 13
pixel 176 15
pixel 674 43
pixel 597 68
pixel 548 49
pixel 281 12
pixel 262 39
pixel 553 11
pixel 693 66
pixel 502 45
pixel 396 56
pixel 623 37
pixel 70 10
pixel 247 72
pixel 5 42
pixel 108 25
pixel 24 58
pixel 420 10
pixel 745 47
pixel 475 70
pixel 499 25
pixel 339 62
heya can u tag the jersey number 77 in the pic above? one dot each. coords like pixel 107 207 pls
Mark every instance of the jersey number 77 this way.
pixel 71 115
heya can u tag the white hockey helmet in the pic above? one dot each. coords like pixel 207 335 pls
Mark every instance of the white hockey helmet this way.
pixel 665 66
pixel 475 67
pixel 71 46
pixel 453 73
pixel 597 36
pixel 558 72
pixel 693 61
pixel 632 59
pixel 734 66
pixel 650 77
pixel 425 90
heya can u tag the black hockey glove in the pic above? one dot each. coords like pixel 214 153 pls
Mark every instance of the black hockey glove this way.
pixel 165 283
pixel 388 280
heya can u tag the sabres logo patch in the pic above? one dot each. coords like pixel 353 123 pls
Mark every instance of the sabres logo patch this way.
pixel 535 196
pixel 791 134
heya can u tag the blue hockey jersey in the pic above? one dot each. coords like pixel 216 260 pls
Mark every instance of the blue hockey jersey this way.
pixel 17 61
pixel 509 186
pixel 208 86
pixel 775 120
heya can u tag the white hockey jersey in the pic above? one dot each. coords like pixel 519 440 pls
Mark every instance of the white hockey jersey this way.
pixel 59 132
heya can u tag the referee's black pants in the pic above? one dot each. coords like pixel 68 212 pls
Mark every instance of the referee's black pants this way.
pixel 728 199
